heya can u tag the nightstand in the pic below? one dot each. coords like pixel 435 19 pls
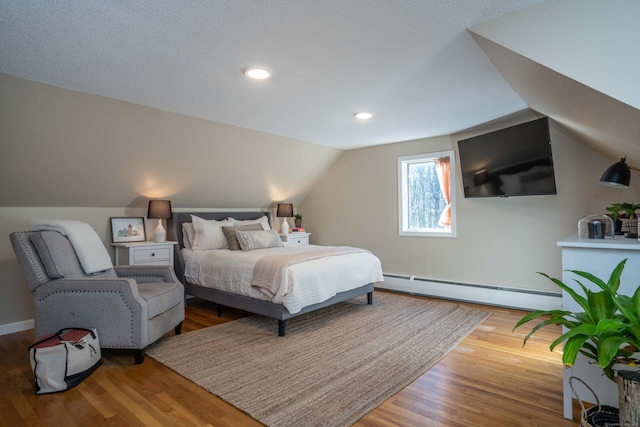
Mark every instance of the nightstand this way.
pixel 295 239
pixel 144 253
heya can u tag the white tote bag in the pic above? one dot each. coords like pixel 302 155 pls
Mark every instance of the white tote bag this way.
pixel 63 360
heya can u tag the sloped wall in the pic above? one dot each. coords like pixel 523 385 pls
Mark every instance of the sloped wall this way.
pixel 66 148
pixel 69 155
pixel 574 61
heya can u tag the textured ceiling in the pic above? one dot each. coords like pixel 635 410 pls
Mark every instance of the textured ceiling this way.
pixel 411 63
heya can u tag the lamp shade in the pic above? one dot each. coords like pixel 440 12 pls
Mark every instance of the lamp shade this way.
pixel 617 175
pixel 285 210
pixel 159 209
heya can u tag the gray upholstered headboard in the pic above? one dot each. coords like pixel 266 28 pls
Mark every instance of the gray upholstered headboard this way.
pixel 174 230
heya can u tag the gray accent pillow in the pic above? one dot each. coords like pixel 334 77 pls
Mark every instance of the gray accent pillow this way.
pixel 250 240
pixel 229 233
pixel 59 257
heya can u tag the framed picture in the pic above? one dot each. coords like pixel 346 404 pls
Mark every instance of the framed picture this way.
pixel 127 229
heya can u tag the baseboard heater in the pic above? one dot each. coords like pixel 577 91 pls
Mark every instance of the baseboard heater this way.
pixel 525 299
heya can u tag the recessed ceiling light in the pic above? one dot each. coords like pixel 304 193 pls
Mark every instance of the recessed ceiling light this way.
pixel 256 73
pixel 362 115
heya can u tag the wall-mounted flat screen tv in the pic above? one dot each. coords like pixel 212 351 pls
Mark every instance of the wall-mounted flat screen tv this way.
pixel 515 161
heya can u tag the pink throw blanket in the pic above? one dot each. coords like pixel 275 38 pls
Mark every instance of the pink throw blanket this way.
pixel 267 273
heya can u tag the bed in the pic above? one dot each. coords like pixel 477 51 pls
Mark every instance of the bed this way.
pixel 220 275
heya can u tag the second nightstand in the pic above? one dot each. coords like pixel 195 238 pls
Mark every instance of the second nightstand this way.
pixel 295 239
pixel 144 253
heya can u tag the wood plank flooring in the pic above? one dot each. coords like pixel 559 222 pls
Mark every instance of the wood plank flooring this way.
pixel 488 380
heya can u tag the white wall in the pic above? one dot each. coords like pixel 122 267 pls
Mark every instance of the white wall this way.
pixel 500 241
pixel 71 155
pixel 65 148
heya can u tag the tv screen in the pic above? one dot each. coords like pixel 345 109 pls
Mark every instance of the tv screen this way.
pixel 515 161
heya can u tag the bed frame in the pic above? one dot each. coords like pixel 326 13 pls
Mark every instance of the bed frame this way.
pixel 241 302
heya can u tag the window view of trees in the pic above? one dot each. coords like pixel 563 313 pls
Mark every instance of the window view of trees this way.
pixel 426 199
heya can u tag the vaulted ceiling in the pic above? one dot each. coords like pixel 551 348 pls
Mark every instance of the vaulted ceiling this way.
pixel 413 64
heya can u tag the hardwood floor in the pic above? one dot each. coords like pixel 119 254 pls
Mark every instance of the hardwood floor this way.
pixel 488 380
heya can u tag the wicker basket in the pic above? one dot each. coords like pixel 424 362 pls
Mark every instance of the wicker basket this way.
pixel 598 415
pixel 630 225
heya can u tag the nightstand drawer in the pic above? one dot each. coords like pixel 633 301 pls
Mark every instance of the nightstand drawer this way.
pixel 295 239
pixel 152 255
pixel 143 253
pixel 298 240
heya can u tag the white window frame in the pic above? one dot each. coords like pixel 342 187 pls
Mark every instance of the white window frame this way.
pixel 403 228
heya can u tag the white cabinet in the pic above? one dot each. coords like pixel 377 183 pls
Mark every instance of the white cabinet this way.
pixel 295 239
pixel 144 253
pixel 599 257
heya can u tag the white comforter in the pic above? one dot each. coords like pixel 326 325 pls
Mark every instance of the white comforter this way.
pixel 303 284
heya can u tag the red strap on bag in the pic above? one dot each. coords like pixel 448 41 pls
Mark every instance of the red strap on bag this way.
pixel 68 334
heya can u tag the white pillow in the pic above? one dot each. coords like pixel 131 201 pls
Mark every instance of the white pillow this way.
pixel 261 239
pixel 187 234
pixel 208 233
pixel 263 220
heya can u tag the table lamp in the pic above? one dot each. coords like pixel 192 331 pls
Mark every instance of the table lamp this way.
pixel 285 210
pixel 159 209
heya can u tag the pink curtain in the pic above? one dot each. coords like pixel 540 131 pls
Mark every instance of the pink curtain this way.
pixel 443 168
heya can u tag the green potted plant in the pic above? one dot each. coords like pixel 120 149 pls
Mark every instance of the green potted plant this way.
pixel 630 209
pixel 614 210
pixel 607 332
pixel 298 220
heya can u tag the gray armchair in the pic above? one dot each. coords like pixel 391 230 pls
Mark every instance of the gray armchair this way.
pixel 130 306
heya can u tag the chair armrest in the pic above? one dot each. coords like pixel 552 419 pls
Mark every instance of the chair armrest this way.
pixel 124 285
pixel 147 273
pixel 127 287
pixel 112 305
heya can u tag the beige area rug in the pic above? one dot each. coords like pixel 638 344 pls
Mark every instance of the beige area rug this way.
pixel 332 367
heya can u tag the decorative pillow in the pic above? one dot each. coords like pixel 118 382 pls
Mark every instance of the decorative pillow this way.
pixel 262 220
pixel 262 239
pixel 232 240
pixel 58 256
pixel 208 233
pixel 187 234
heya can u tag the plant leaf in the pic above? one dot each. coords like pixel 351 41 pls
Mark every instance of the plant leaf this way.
pixel 601 305
pixel 580 330
pixel 582 301
pixel 583 317
pixel 552 321
pixel 539 313
pixel 589 351
pixel 571 348
pixel 611 287
pixel 609 326
pixel 608 348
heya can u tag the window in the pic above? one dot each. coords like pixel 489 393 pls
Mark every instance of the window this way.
pixel 426 204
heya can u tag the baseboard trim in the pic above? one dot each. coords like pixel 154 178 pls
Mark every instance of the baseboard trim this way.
pixel 523 299
pixel 10 328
